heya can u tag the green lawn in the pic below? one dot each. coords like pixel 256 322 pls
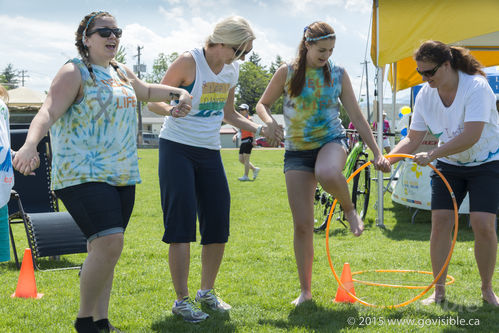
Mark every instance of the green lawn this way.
pixel 258 276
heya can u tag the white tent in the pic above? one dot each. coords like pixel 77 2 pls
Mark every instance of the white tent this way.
pixel 25 98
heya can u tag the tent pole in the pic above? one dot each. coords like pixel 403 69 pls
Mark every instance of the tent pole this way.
pixel 394 99
pixel 379 219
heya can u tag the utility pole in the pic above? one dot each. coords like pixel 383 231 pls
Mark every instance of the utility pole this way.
pixel 139 104
pixel 367 93
pixel 23 75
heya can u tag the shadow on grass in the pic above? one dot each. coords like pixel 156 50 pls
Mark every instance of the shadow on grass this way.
pixel 315 318
pixel 217 322
pixel 46 263
pixel 420 230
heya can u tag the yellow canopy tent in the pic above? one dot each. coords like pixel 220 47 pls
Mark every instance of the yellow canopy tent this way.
pixel 399 27
pixel 404 25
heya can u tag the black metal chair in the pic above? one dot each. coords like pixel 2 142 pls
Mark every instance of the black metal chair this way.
pixel 49 232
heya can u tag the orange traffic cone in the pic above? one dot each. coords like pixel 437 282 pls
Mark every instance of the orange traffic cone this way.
pixel 26 285
pixel 346 279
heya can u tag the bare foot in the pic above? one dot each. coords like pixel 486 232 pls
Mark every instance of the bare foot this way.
pixel 433 299
pixel 302 298
pixel 489 297
pixel 356 224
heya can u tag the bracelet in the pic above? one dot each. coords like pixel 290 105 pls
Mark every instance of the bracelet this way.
pixel 258 130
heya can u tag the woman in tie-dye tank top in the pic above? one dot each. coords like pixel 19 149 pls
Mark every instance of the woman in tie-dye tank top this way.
pixel 315 140
pixel 90 110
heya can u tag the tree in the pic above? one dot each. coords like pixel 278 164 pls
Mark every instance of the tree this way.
pixel 275 64
pixel 253 80
pixel 121 55
pixel 255 58
pixel 9 77
pixel 160 66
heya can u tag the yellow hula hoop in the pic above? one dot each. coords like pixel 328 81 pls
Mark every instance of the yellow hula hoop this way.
pixel 377 284
pixel 443 267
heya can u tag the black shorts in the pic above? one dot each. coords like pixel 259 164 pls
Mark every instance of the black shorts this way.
pixel 99 209
pixel 246 146
pixel 193 184
pixel 481 182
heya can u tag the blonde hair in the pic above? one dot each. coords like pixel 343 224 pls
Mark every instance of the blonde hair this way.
pixel 233 30
pixel 4 94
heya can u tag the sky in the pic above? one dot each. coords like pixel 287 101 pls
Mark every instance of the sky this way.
pixel 38 36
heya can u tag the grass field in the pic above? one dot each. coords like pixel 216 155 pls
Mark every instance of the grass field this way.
pixel 258 275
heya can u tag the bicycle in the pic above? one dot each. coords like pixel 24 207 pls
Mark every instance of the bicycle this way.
pixel 360 187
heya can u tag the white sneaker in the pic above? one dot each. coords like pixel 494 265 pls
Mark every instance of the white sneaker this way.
pixel 255 173
pixel 243 178
pixel 212 301
pixel 189 311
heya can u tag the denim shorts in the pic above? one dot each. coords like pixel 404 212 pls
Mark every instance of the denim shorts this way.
pixel 304 160
pixel 99 209
pixel 481 182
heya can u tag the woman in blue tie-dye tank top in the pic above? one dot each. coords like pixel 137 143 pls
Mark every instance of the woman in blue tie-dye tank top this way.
pixel 315 140
pixel 90 110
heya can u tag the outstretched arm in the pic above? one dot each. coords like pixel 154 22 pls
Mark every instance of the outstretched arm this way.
pixel 64 90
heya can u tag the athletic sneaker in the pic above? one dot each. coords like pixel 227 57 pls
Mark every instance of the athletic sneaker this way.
pixel 243 178
pixel 212 301
pixel 188 310
pixel 255 173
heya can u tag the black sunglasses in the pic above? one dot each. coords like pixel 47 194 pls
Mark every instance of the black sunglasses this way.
pixel 106 32
pixel 240 53
pixel 430 72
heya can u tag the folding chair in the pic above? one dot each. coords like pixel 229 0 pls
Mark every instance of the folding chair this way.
pixel 49 232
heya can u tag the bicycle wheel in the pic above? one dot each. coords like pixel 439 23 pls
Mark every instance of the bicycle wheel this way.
pixel 361 188
pixel 323 202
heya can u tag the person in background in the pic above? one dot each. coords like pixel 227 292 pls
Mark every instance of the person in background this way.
pixel 91 112
pixel 247 143
pixel 386 129
pixel 315 142
pixel 190 165
pixel 457 105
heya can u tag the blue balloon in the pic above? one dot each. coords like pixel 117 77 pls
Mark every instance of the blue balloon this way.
pixel 404 131
pixel 401 115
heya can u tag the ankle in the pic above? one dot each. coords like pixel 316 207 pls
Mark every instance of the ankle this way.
pixel 85 325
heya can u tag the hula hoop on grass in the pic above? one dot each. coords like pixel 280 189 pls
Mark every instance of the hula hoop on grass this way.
pixel 446 261
pixel 377 284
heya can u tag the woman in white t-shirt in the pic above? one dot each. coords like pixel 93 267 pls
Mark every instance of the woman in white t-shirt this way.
pixel 191 175
pixel 458 107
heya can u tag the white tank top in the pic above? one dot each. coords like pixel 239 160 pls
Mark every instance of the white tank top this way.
pixel 201 127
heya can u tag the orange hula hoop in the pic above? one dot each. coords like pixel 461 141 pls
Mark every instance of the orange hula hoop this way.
pixel 443 267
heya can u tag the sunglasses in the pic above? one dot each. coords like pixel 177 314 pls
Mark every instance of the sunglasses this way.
pixel 240 53
pixel 106 32
pixel 430 72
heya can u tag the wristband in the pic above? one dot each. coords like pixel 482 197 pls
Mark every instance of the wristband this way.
pixel 258 130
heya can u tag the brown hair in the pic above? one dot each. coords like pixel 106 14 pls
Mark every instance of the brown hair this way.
pixel 459 58
pixel 85 26
pixel 314 30
pixel 4 94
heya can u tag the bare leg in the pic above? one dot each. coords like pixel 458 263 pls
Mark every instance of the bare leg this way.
pixel 328 171
pixel 442 222
pixel 301 188
pixel 211 258
pixel 97 274
pixel 179 259
pixel 483 225
pixel 247 164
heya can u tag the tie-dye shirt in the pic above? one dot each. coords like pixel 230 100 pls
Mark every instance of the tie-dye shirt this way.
pixel 201 127
pixel 95 139
pixel 6 170
pixel 312 118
